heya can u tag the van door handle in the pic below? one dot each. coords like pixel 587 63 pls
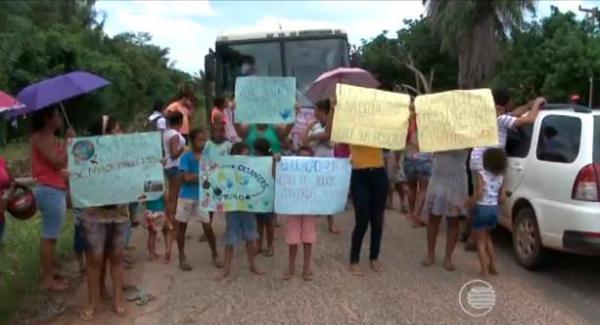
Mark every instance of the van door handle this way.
pixel 517 167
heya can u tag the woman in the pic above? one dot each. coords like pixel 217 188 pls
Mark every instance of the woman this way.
pixel 174 146
pixel 446 196
pixel 417 170
pixel 105 230
pixel 183 104
pixel 368 186
pixel 6 189
pixel 48 160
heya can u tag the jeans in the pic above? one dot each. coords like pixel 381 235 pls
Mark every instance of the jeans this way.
pixel 369 189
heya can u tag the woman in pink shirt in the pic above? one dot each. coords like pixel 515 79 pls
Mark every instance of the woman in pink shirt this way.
pixel 48 162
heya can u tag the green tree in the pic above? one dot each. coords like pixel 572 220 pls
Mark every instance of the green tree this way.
pixel 472 29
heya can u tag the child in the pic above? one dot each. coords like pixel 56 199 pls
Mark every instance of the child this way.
pixel 189 196
pixel 397 180
pixel 300 229
pixel 489 193
pixel 265 221
pixel 174 146
pixel 79 240
pixel 318 141
pixel 155 221
pixel 240 225
pixel 217 146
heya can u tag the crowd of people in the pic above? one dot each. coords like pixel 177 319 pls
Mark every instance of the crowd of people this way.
pixel 461 186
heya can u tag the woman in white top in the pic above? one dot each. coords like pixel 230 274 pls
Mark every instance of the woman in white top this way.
pixel 317 139
pixel 489 193
pixel 174 146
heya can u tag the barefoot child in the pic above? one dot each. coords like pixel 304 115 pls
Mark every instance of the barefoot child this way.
pixel 489 193
pixel 155 221
pixel 265 221
pixel 300 229
pixel 188 203
pixel 240 226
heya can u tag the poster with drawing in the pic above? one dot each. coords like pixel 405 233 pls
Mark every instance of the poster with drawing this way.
pixel 269 100
pixel 237 183
pixel 115 169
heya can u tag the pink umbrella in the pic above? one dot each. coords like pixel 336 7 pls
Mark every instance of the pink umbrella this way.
pixel 8 103
pixel 324 86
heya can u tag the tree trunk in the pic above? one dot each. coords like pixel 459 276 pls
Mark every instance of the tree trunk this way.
pixel 477 55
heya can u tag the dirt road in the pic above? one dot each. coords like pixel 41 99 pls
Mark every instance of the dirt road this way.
pixel 405 293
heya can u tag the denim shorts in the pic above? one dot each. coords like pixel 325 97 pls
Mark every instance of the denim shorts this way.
pixel 417 169
pixel 53 207
pixel 105 236
pixel 265 217
pixel 172 172
pixel 240 226
pixel 485 217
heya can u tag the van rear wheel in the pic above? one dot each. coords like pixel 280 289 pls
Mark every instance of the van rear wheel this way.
pixel 527 243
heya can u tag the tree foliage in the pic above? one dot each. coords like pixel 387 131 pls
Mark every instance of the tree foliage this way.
pixel 41 39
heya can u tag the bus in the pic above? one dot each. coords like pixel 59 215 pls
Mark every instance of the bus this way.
pixel 304 54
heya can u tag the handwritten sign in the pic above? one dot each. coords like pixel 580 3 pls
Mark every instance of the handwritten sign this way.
pixel 456 119
pixel 269 100
pixel 370 117
pixel 306 185
pixel 115 169
pixel 237 183
pixel 303 119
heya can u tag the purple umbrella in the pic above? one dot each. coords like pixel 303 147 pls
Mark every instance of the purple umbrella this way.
pixel 56 90
pixel 324 86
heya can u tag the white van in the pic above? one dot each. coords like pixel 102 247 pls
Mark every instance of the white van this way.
pixel 553 184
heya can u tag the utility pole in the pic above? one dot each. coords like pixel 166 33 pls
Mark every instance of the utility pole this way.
pixel 592 14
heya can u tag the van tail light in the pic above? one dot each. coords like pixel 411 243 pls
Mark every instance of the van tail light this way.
pixel 587 184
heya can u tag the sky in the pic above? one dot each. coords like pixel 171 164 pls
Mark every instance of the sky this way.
pixel 190 28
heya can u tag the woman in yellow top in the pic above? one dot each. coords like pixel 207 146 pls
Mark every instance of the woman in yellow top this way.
pixel 368 186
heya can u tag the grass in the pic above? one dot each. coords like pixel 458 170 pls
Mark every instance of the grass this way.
pixel 19 254
pixel 20 261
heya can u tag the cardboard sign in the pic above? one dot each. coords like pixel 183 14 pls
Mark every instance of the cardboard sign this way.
pixel 306 185
pixel 237 183
pixel 115 169
pixel 370 117
pixel 456 119
pixel 269 100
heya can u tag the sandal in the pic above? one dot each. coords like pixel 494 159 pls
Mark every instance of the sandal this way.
pixel 268 253
pixel 55 286
pixel 287 276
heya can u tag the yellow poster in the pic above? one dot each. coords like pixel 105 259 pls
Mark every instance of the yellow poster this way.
pixel 456 119
pixel 370 117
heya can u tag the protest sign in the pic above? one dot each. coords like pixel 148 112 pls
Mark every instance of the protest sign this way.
pixel 456 119
pixel 306 185
pixel 237 183
pixel 115 169
pixel 303 119
pixel 370 117
pixel 269 100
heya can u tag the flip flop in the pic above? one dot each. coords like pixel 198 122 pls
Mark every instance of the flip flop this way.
pixel 56 286
pixel 87 315
pixel 268 253
pixel 307 276
pixel 185 267
pixel 287 276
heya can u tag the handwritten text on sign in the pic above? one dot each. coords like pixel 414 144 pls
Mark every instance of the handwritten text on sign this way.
pixel 268 100
pixel 311 185
pixel 237 183
pixel 456 119
pixel 115 169
pixel 370 117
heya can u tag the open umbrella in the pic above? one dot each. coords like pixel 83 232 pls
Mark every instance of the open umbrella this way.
pixel 8 103
pixel 56 90
pixel 324 86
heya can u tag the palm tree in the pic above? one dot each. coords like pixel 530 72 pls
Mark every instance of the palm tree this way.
pixel 473 29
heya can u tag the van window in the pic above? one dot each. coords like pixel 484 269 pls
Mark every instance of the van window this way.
pixel 596 142
pixel 559 139
pixel 518 141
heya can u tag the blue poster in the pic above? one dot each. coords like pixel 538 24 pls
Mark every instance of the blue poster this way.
pixel 237 183
pixel 305 185
pixel 115 169
pixel 269 100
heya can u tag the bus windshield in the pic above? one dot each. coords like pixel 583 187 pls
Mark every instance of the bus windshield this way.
pixel 303 59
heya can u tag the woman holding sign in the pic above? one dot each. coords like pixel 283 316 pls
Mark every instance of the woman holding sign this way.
pixel 48 160
pixel 369 186
pixel 105 229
